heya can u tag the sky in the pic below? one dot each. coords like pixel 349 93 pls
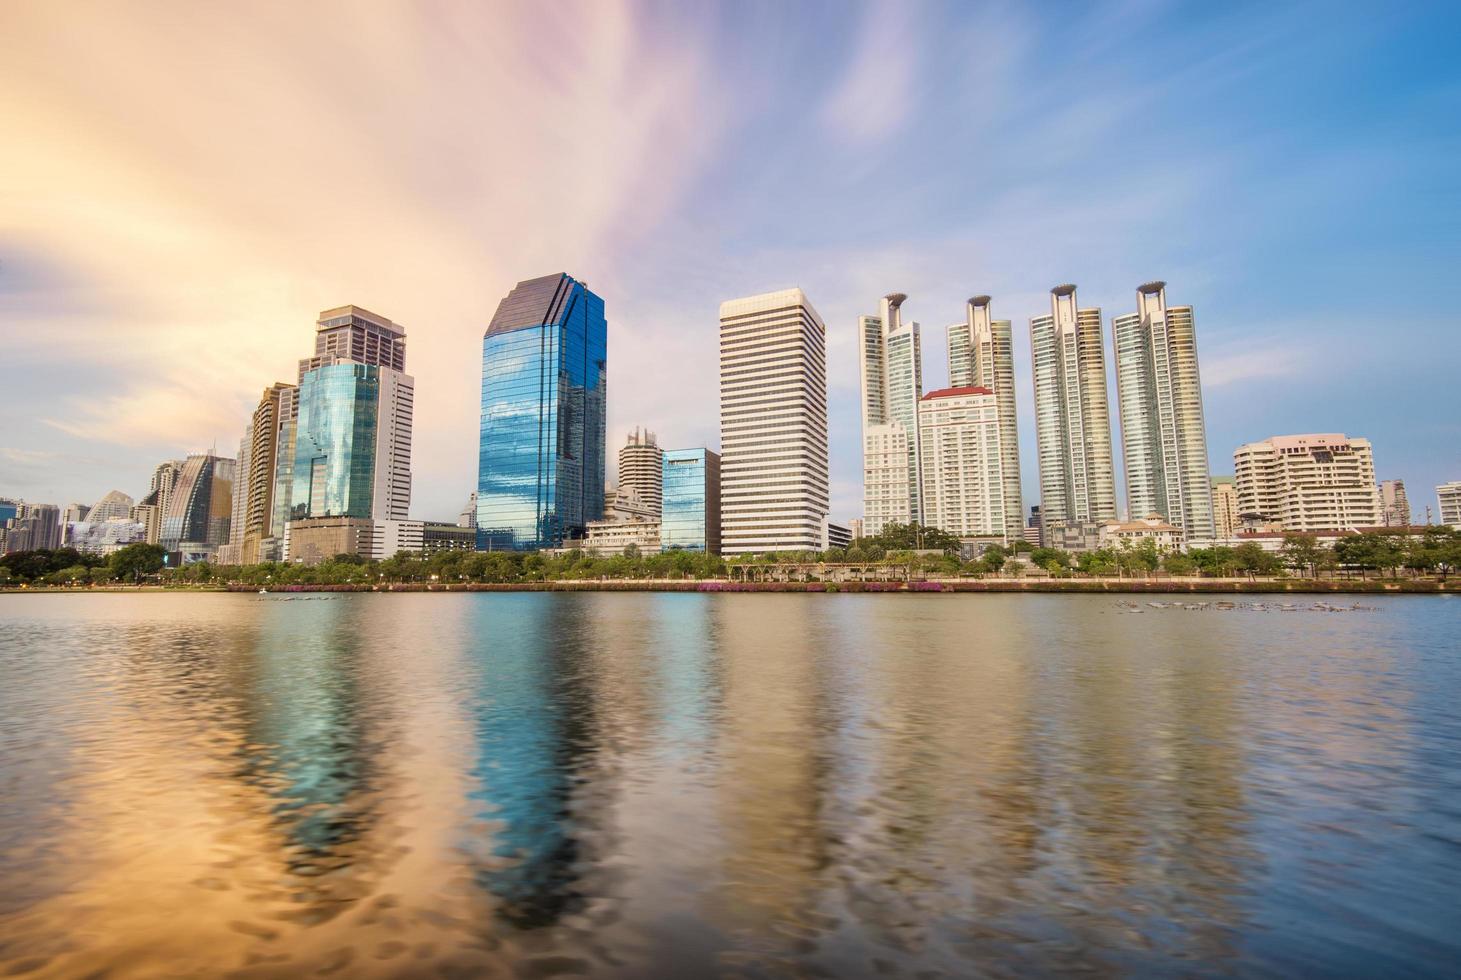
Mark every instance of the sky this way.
pixel 185 186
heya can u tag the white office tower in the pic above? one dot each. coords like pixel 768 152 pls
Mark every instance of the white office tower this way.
pixel 1072 417
pixel 981 353
pixel 773 424
pixel 1159 394
pixel 393 446
pixel 641 469
pixel 232 552
pixel 1311 482
pixel 963 478
pixel 892 383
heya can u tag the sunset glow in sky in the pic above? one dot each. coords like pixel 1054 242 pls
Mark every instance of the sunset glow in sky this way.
pixel 183 187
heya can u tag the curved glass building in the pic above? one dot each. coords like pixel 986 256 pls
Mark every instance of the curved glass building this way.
pixel 540 474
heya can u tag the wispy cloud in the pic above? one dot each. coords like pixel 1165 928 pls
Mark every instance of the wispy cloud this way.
pixel 876 94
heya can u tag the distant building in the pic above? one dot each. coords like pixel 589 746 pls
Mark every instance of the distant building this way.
pixel 540 475
pixel 312 540
pixel 34 527
pixel 690 512
pixel 1159 392
pixel 892 383
pixel 150 509
pixel 963 481
pixel 1448 496
pixel 437 536
pixel 855 528
pixel 773 424
pixel 200 508
pixel 1394 506
pixel 74 513
pixel 265 496
pixel 105 537
pixel 613 537
pixel 625 504
pixel 1225 508
pixel 468 516
pixel 838 536
pixel 114 504
pixel 1307 482
pixel 232 552
pixel 354 334
pixel 1036 525
pixel 981 353
pixel 641 468
pixel 1168 537
pixel 1072 419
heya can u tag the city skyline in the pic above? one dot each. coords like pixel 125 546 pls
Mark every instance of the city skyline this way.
pixel 154 278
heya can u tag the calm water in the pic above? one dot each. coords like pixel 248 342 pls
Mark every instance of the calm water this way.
pixel 737 785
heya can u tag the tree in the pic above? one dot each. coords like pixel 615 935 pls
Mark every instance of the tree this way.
pixel 1304 552
pixel 912 537
pixel 1251 558
pixel 1179 564
pixel 993 559
pixel 1053 560
pixel 131 562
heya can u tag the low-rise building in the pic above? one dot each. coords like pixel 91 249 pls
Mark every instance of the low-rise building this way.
pixel 613 537
pixel 1153 527
pixel 437 536
pixel 838 536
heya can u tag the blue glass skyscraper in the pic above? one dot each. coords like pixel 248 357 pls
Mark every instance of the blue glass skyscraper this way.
pixel 690 513
pixel 540 474
pixel 335 441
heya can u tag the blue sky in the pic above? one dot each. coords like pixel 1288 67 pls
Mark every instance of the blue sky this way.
pixel 173 214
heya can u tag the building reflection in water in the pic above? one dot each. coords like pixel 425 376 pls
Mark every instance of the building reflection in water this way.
pixel 534 717
pixel 685 785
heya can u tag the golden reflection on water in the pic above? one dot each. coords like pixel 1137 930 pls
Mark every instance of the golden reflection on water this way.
pixel 677 784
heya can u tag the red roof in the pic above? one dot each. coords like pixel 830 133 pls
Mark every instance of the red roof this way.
pixel 954 392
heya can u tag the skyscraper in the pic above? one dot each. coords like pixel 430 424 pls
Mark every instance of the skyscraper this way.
pixel 1072 417
pixel 690 516
pixel 981 354
pixel 1312 482
pixel 540 472
pixel 773 424
pixel 1448 499
pixel 352 426
pixel 892 383
pixel 273 422
pixel 232 552
pixel 199 508
pixel 641 467
pixel 1394 505
pixel 1225 508
pixel 963 482
pixel 1163 436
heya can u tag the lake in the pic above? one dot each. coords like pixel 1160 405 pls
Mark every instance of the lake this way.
pixel 642 785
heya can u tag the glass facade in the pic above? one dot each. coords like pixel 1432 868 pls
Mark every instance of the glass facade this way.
pixel 335 442
pixel 541 459
pixel 690 519
pixel 200 507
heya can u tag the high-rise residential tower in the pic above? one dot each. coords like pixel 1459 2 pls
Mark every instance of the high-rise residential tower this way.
pixel 232 552
pixel 1312 482
pixel 1448 499
pixel 963 480
pixel 1394 505
pixel 981 354
pixel 1159 392
pixel 273 420
pixel 353 421
pixel 1225 508
pixel 892 382
pixel 641 467
pixel 773 424
pixel 1072 416
pixel 540 473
